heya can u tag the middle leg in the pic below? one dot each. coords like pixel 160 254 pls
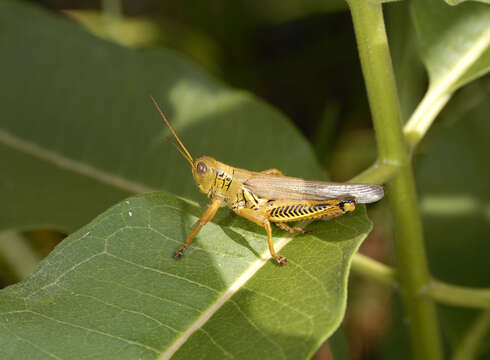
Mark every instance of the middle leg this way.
pixel 292 229
pixel 259 218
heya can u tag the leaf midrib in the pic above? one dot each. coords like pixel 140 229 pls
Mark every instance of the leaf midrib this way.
pixel 54 158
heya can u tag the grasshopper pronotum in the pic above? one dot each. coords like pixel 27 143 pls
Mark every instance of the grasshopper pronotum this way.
pixel 269 196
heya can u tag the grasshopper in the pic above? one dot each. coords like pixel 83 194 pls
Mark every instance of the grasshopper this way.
pixel 268 196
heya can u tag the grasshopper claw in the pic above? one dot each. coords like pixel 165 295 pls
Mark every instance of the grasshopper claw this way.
pixel 281 260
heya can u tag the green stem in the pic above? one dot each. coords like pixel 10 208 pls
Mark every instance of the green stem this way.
pixel 373 269
pixel 378 173
pixel 423 117
pixel 380 81
pixel 468 349
pixel 459 295
pixel 448 294
pixel 413 272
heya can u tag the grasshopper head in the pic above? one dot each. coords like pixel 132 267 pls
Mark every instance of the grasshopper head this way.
pixel 204 172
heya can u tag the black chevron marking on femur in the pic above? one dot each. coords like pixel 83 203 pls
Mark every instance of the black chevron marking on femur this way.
pixel 295 210
pixel 291 211
pixel 285 211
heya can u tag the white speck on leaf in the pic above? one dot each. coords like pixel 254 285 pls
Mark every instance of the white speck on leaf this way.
pixel 130 213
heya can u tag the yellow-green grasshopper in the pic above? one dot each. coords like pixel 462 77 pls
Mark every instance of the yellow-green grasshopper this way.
pixel 269 196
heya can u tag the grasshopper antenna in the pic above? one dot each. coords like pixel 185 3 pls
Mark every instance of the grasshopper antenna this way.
pixel 182 149
pixel 172 141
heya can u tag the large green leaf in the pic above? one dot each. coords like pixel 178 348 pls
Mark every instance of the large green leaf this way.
pixel 455 206
pixel 78 134
pixel 454 41
pixel 409 70
pixel 455 48
pixel 112 290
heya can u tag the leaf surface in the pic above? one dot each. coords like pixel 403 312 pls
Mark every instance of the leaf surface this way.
pixel 454 41
pixel 455 206
pixel 112 290
pixel 455 48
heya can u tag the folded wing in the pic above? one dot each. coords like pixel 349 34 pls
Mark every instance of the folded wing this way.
pixel 285 187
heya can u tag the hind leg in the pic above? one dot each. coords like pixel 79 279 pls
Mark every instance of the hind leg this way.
pixel 292 229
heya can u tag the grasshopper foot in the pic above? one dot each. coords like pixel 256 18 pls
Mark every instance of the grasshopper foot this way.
pixel 178 254
pixel 281 260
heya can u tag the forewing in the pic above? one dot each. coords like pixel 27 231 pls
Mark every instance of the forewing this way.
pixel 284 187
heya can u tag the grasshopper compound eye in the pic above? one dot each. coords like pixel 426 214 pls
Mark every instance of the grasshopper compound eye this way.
pixel 202 169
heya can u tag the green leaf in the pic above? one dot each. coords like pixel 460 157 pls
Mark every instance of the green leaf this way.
pixel 112 290
pixel 78 134
pixel 409 70
pixel 455 48
pixel 456 207
pixel 454 42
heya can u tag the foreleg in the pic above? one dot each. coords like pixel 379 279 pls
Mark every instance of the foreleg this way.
pixel 205 218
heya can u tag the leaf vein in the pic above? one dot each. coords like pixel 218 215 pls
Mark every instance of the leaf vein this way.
pixel 163 273
pixel 120 308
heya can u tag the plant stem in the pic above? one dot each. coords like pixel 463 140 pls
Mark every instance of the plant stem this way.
pixel 458 295
pixel 413 272
pixel 380 81
pixel 378 173
pixel 374 270
pixel 468 349
pixel 423 117
pixel 439 291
